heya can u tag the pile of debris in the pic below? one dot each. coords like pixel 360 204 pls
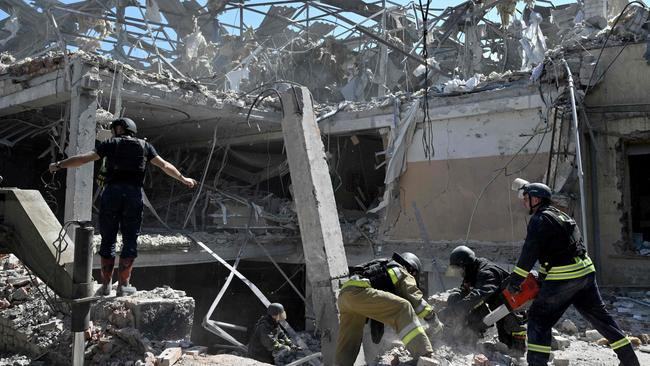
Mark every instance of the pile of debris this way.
pixel 35 324
pixel 575 342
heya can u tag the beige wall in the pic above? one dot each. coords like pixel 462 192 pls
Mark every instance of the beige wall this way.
pixel 620 114
pixel 446 191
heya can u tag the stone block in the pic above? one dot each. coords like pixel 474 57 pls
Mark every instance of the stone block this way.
pixel 169 357
pixel 196 350
pixel 163 318
pixel 561 362
pixel 592 335
pixel 426 361
pixel 560 343
pixel 568 327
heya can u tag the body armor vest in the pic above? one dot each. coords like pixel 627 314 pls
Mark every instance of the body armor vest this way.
pixel 376 271
pixel 570 245
pixel 129 156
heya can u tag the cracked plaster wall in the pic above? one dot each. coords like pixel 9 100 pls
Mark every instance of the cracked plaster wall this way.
pixel 620 116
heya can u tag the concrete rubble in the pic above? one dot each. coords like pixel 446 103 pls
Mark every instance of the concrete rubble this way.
pixel 196 84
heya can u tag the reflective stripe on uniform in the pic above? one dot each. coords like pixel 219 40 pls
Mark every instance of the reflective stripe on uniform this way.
pixel 411 331
pixel 356 283
pixel 579 264
pixel 521 272
pixel 539 348
pixel 620 343
pixel 395 274
pixel 423 309
pixel 581 268
pixel 521 334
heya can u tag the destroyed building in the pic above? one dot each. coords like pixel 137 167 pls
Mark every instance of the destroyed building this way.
pixel 425 117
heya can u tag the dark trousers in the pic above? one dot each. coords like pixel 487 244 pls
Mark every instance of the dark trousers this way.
pixel 553 300
pixel 121 210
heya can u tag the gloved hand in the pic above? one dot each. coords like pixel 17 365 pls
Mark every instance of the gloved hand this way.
pixel 296 348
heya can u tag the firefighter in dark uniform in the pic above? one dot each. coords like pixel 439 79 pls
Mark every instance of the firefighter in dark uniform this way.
pixel 568 278
pixel 478 294
pixel 385 291
pixel 126 157
pixel 268 338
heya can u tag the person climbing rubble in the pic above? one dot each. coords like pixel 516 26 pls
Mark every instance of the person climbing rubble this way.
pixel 126 158
pixel 477 295
pixel 268 341
pixel 568 277
pixel 386 292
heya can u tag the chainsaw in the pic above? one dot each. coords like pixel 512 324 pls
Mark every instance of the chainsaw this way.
pixel 514 301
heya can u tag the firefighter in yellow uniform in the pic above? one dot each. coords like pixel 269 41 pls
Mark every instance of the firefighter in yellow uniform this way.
pixel 385 291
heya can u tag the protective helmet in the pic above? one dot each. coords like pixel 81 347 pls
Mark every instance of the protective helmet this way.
pixel 275 309
pixel 127 123
pixel 461 256
pixel 408 259
pixel 539 190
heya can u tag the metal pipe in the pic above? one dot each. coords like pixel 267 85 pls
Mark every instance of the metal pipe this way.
pixel 82 288
pixel 574 113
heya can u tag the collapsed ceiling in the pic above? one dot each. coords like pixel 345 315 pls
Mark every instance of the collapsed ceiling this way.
pixel 321 45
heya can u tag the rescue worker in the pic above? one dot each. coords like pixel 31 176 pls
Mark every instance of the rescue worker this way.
pixel 385 291
pixel 568 277
pixel 477 295
pixel 122 203
pixel 268 339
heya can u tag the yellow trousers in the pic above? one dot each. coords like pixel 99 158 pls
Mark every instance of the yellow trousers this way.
pixel 356 304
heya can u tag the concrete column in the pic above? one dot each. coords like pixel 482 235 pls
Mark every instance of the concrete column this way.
pixel 317 215
pixel 82 132
pixel 595 8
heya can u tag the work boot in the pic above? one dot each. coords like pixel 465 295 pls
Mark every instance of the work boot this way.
pixel 124 288
pixel 107 275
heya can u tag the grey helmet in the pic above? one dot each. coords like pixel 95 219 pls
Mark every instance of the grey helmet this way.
pixel 275 309
pixel 462 256
pixel 128 124
pixel 409 260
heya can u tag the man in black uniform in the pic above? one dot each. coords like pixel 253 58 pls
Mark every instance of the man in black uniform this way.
pixel 268 338
pixel 122 204
pixel 478 295
pixel 554 240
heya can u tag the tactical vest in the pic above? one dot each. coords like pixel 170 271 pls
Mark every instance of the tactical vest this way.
pixel 376 271
pixel 571 245
pixel 129 156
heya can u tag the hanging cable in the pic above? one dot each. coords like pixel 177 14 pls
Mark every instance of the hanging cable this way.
pixel 427 124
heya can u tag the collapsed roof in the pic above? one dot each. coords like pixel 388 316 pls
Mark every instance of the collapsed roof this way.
pixel 340 50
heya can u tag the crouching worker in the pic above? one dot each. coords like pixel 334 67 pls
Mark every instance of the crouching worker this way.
pixel 269 342
pixel 386 292
pixel 477 295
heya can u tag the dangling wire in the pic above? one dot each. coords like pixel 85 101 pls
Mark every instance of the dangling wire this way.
pixel 427 125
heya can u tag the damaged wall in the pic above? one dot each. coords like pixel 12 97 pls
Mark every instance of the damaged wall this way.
pixel 475 138
pixel 619 114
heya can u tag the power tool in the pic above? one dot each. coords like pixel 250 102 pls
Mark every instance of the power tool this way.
pixel 529 289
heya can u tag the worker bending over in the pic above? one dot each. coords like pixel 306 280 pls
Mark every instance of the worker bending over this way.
pixel 477 295
pixel 568 277
pixel 268 340
pixel 126 158
pixel 385 291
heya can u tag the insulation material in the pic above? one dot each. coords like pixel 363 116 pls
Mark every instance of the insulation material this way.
pixel 533 44
pixel 11 27
pixel 506 10
pixel 153 11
